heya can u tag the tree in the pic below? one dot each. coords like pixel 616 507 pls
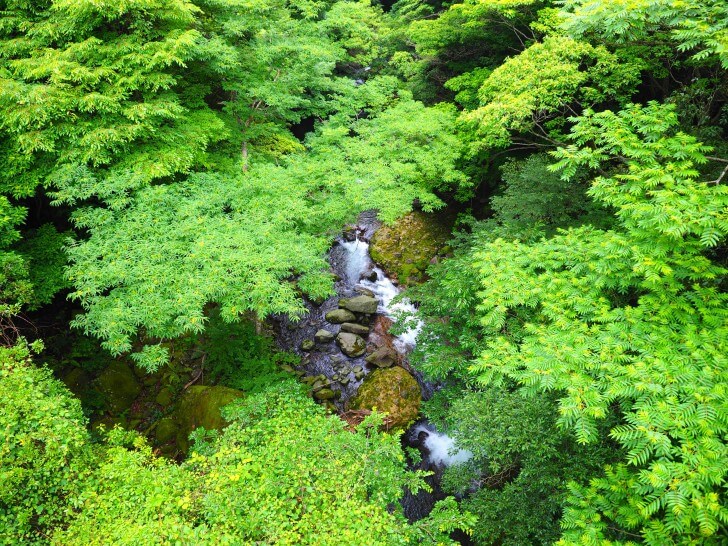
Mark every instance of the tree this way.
pixel 629 323
pixel 44 449
pixel 251 241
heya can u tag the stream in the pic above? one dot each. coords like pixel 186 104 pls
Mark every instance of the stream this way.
pixel 356 275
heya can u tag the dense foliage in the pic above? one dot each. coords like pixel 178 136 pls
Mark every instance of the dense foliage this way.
pixel 169 168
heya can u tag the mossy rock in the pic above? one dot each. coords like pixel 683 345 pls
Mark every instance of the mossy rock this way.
pixel 405 249
pixel 200 406
pixel 390 390
pixel 78 381
pixel 166 430
pixel 118 386
pixel 164 397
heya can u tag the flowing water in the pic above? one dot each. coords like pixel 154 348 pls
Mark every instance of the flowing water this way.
pixel 358 274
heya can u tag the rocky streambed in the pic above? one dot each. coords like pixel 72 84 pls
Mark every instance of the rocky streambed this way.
pixel 350 359
pixel 352 362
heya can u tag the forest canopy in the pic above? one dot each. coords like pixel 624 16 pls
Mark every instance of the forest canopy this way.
pixel 173 174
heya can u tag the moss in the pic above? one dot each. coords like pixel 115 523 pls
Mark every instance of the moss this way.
pixel 405 249
pixel 200 407
pixel 119 386
pixel 390 390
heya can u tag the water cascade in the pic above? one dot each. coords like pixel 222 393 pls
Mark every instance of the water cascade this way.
pixel 358 274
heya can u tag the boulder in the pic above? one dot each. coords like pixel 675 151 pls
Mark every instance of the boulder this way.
pixel 351 344
pixel 118 386
pixel 164 397
pixel 383 357
pixel 166 430
pixel 200 406
pixel 390 390
pixel 324 394
pixel 339 316
pixel 360 304
pixel 323 336
pixel 354 328
pixel 78 381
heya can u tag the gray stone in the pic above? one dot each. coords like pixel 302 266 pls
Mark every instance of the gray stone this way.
pixel 351 344
pixel 354 328
pixel 360 304
pixel 323 336
pixel 383 357
pixel 338 316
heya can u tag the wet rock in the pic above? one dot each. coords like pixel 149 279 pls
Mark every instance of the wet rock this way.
pixel 371 276
pixel 118 385
pixel 323 336
pixel 351 344
pixel 200 407
pixel 287 368
pixel 354 328
pixel 339 316
pixel 383 357
pixel 307 344
pixel 390 390
pixel 360 304
pixel 324 394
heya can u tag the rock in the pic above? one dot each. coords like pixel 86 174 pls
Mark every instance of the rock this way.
pixel 371 276
pixel 307 344
pixel 344 381
pixel 351 344
pixel 200 406
pixel 360 304
pixel 324 394
pixel 166 430
pixel 323 336
pixel 383 357
pixel 164 397
pixel 118 385
pixel 287 368
pixel 364 291
pixel 78 381
pixel 339 316
pixel 405 249
pixel 390 390
pixel 354 328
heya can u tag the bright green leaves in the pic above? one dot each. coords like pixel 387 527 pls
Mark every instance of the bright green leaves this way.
pixel 547 78
pixel 94 87
pixel 701 26
pixel 630 317
pixel 660 194
pixel 44 449
pixel 283 472
pixel 252 242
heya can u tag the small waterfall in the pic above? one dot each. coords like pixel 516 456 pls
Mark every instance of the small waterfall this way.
pixel 350 261
pixel 358 266
pixel 440 448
